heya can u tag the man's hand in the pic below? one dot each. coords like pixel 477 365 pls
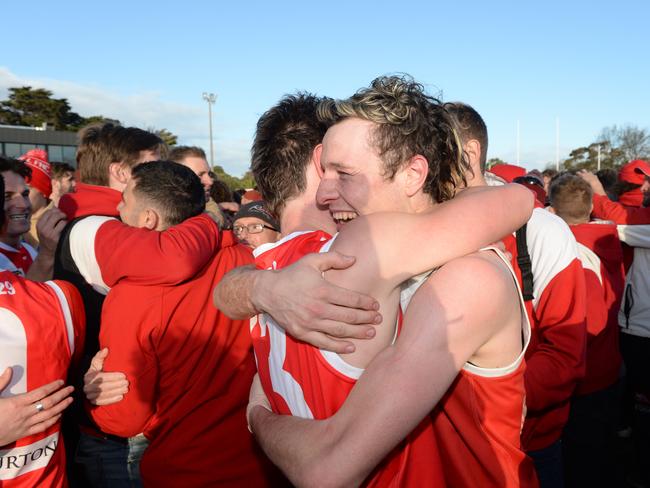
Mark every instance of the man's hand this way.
pixel 256 398
pixel 32 412
pixel 313 310
pixel 229 206
pixel 593 181
pixel 104 388
pixel 49 229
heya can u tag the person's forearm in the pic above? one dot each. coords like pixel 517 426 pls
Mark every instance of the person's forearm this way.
pixel 295 445
pixel 234 293
pixel 42 268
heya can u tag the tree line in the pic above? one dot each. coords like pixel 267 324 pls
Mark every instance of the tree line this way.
pixel 615 146
pixel 35 107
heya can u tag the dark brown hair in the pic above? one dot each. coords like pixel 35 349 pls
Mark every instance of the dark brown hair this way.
pixel 102 145
pixel 284 142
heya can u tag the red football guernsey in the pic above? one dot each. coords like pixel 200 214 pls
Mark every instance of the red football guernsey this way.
pixel 18 261
pixel 479 420
pixel 40 326
pixel 302 380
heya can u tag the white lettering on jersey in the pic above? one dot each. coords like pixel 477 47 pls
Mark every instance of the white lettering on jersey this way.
pixel 7 288
pixel 24 459
pixel 13 342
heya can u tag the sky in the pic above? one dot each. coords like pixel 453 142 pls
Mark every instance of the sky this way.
pixel 520 64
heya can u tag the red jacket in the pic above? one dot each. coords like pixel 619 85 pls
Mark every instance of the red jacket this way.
pixel 189 369
pixel 556 354
pixel 602 259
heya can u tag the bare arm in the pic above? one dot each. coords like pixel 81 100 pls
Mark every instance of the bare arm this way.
pixel 393 247
pixel 300 300
pixel 449 318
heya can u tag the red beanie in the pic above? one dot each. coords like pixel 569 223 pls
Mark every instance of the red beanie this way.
pixel 41 178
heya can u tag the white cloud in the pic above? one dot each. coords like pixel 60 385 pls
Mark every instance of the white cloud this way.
pixel 145 109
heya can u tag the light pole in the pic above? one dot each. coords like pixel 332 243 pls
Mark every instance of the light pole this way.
pixel 210 98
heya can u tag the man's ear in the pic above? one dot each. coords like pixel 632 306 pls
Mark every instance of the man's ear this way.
pixel 415 175
pixel 473 150
pixel 315 158
pixel 120 172
pixel 151 219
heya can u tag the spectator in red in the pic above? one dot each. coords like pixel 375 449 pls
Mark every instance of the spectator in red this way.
pixel 589 435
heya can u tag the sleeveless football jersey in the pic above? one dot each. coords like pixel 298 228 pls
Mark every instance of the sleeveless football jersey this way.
pixel 478 422
pixel 18 261
pixel 304 381
pixel 40 324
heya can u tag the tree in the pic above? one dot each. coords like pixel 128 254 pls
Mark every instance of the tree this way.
pixel 233 182
pixel 35 107
pixel 587 157
pixel 631 141
pixel 167 137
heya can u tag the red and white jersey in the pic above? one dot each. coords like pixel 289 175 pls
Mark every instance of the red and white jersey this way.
pixel 556 356
pixel 479 420
pixel 18 261
pixel 40 326
pixel 302 380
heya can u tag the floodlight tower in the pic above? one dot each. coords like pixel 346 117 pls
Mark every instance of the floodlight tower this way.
pixel 210 98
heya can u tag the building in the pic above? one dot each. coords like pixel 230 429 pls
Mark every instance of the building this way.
pixel 61 146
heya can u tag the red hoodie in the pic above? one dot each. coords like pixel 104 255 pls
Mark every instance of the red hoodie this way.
pixel 605 278
pixel 140 255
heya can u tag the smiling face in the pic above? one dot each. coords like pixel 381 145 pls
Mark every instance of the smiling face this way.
pixel 353 181
pixel 18 208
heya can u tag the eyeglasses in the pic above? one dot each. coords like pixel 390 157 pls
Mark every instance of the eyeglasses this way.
pixel 251 228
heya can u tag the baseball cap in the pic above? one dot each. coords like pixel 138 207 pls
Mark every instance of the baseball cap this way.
pixel 258 210
pixel 634 172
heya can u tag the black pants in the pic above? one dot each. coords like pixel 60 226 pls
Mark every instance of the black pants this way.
pixel 589 440
pixel 636 355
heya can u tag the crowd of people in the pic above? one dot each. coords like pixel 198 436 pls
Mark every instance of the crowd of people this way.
pixel 380 310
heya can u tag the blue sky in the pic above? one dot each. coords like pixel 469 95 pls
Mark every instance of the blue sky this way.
pixel 147 63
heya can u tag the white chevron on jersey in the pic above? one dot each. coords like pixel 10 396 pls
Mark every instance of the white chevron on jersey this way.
pixel 82 250
pixel 14 352
pixel 67 315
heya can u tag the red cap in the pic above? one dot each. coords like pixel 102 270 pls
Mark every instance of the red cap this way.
pixel 252 196
pixel 41 178
pixel 507 172
pixel 634 172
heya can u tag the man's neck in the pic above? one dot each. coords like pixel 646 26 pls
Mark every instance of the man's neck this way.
pixel 302 215
pixel 13 241
pixel 476 179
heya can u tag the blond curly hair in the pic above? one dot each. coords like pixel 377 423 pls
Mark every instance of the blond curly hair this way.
pixel 408 123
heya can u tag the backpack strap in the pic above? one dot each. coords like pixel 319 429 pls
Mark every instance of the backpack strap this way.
pixel 523 261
